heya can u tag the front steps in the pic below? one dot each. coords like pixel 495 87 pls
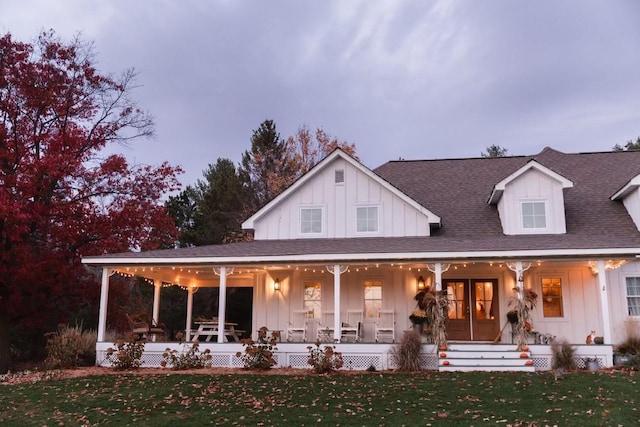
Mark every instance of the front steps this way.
pixel 484 357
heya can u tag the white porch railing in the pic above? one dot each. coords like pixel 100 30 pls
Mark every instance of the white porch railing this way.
pixel 355 356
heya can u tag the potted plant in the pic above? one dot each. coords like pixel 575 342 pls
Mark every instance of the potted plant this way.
pixel 629 347
pixel 418 318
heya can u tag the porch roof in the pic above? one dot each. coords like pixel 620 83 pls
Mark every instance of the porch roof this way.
pixel 372 249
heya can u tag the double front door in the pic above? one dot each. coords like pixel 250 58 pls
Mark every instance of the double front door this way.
pixel 473 309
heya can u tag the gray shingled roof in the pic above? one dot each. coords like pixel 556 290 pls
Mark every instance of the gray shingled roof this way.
pixel 457 190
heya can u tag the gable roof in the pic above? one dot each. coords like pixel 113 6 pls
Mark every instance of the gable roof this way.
pixel 325 163
pixel 456 190
pixel 629 187
pixel 498 189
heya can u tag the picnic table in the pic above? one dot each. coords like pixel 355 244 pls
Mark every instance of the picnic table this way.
pixel 209 329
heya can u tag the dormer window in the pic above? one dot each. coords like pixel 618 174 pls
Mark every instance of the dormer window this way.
pixel 534 215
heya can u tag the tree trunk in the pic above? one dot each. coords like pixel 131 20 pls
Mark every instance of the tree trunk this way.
pixel 5 352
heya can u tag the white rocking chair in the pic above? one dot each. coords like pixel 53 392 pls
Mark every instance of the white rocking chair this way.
pixel 297 328
pixel 350 330
pixel 386 326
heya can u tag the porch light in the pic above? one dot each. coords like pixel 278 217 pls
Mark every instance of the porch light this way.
pixel 421 283
pixel 276 285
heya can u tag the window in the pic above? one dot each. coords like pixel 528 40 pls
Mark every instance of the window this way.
pixel 552 297
pixel 339 176
pixel 367 218
pixel 312 299
pixel 372 298
pixel 534 215
pixel 311 220
pixel 633 296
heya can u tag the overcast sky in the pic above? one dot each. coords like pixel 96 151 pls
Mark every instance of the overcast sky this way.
pixel 411 79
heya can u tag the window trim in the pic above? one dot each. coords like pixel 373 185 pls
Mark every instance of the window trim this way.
pixel 364 300
pixel 534 230
pixel 626 294
pixel 305 284
pixel 378 208
pixel 562 297
pixel 322 221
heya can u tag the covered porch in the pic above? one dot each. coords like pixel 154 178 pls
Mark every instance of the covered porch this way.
pixel 309 301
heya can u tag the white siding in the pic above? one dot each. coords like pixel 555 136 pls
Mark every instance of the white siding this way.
pixel 339 201
pixel 632 203
pixel 532 186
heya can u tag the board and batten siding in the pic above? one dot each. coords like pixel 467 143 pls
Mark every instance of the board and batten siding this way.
pixel 339 201
pixel 632 204
pixel 532 186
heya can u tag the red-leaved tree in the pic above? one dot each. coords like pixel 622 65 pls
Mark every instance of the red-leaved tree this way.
pixel 60 197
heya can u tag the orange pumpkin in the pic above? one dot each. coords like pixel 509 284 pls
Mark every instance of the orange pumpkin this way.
pixel 525 348
pixel 529 362
pixel 524 356
pixel 443 355
pixel 445 363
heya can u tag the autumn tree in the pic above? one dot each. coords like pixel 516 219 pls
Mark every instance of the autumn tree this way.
pixel 60 196
pixel 630 145
pixel 303 151
pixel 261 165
pixel 494 151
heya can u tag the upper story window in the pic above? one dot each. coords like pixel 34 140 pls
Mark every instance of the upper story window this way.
pixel 313 299
pixel 311 220
pixel 534 216
pixel 367 219
pixel 633 296
pixel 339 176
pixel 552 305
pixel 372 297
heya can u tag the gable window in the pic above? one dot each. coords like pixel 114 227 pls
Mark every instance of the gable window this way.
pixel 367 219
pixel 339 176
pixel 633 296
pixel 312 299
pixel 533 215
pixel 372 298
pixel 311 220
pixel 552 305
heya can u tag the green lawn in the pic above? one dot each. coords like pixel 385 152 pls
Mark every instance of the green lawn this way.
pixel 370 398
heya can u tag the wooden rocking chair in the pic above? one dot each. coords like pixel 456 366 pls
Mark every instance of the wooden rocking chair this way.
pixel 145 327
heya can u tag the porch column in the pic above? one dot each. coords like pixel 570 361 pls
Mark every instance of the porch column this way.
pixel 222 303
pixel 337 270
pixel 104 299
pixel 604 302
pixel 157 284
pixel 189 312
pixel 437 269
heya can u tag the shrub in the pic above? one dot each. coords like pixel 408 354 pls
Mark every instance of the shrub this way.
pixel 405 354
pixel 631 342
pixel 189 358
pixel 69 347
pixel 127 354
pixel 325 359
pixel 258 354
pixel 563 355
pixel 633 363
